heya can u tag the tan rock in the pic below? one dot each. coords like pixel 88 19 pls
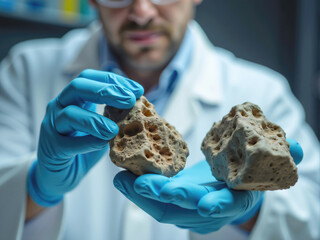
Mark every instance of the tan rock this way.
pixel 249 152
pixel 146 143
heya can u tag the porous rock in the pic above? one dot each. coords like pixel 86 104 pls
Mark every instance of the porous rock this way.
pixel 146 143
pixel 249 152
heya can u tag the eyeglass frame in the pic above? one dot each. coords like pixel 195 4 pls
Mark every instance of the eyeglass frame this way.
pixel 126 3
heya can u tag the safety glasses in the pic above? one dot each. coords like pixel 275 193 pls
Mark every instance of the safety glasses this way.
pixel 125 3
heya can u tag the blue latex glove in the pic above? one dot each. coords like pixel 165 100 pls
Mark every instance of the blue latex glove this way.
pixel 193 199
pixel 73 137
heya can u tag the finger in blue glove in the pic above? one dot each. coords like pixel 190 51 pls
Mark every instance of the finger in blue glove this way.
pixel 111 78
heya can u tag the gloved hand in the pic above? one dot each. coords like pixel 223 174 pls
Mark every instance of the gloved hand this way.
pixel 73 137
pixel 193 199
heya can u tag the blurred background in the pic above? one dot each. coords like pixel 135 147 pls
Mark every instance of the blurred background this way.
pixel 281 34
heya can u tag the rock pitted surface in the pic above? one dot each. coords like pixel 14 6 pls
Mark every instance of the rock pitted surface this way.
pixel 249 152
pixel 146 143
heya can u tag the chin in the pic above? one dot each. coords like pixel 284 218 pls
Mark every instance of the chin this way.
pixel 148 63
pixel 145 58
pixel 147 66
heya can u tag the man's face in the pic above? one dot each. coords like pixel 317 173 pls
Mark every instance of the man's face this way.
pixel 145 36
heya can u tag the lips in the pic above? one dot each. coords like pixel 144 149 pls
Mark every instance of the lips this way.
pixel 144 37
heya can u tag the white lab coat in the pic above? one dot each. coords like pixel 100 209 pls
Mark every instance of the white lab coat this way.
pixel 36 71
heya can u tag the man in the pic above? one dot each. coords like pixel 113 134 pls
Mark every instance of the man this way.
pixel 56 180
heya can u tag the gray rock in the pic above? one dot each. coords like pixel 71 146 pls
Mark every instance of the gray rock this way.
pixel 146 143
pixel 249 152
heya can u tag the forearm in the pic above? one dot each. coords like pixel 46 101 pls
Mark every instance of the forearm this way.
pixel 32 209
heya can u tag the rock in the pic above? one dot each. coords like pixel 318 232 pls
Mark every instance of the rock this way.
pixel 249 152
pixel 146 143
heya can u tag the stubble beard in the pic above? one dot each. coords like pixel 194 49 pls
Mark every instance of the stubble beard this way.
pixel 140 61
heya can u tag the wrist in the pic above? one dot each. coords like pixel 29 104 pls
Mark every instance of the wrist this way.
pixel 249 225
pixel 32 209
pixel 36 194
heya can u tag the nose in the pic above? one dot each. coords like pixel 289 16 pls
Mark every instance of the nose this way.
pixel 142 11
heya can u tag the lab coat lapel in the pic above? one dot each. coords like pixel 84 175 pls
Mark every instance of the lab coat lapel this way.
pixel 201 83
pixel 88 56
pixel 182 110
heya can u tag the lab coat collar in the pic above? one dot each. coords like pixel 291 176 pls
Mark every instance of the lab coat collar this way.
pixel 208 86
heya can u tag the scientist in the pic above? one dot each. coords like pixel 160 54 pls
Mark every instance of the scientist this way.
pixel 56 179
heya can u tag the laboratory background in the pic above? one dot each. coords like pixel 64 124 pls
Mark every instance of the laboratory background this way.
pixel 281 34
